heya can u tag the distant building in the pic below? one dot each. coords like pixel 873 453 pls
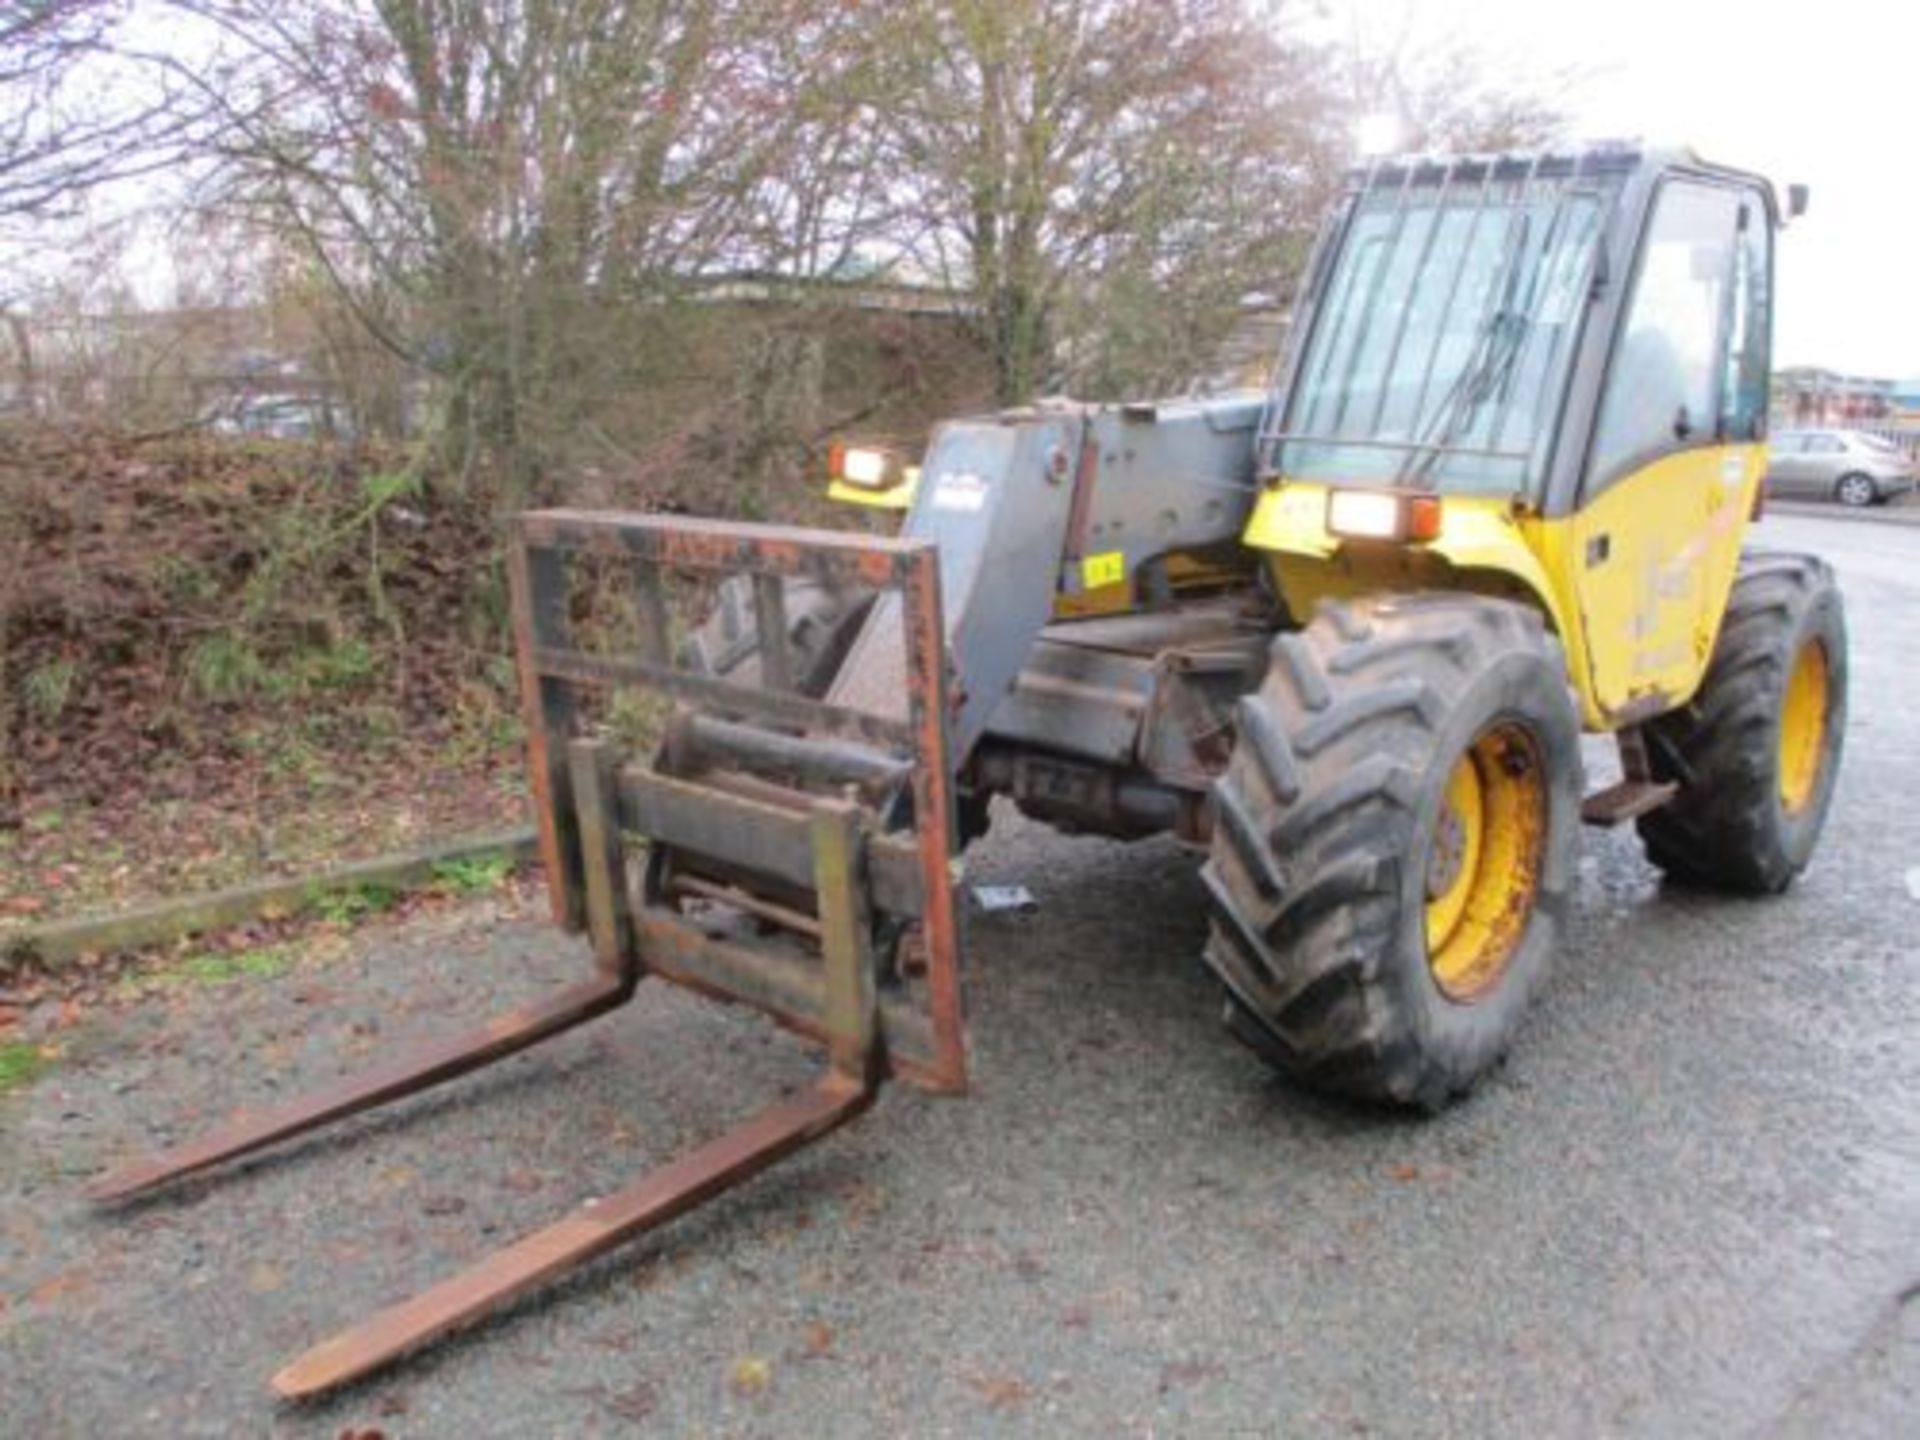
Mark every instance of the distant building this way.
pixel 1807 395
pixel 1905 402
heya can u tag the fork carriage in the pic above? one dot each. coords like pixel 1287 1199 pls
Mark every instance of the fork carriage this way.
pixel 782 852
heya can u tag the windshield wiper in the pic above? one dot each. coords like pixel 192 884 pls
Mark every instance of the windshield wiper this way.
pixel 1499 342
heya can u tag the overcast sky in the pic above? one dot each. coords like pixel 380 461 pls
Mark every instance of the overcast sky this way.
pixel 1827 93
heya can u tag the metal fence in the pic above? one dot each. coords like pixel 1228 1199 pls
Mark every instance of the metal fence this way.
pixel 1907 440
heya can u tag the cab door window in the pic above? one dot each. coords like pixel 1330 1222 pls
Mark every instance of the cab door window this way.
pixel 1743 405
pixel 1666 382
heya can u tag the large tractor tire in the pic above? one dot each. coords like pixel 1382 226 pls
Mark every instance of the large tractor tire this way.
pixel 822 621
pixel 1394 843
pixel 1757 750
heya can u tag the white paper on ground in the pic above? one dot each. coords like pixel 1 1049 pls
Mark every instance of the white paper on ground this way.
pixel 1004 897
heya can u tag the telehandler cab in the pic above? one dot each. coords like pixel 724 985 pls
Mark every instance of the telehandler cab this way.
pixel 1344 638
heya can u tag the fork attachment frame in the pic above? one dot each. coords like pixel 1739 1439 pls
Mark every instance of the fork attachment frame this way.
pixel 766 834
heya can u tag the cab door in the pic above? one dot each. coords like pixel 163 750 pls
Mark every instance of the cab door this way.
pixel 1678 448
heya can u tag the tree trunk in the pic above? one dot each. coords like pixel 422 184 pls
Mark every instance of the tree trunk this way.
pixel 23 351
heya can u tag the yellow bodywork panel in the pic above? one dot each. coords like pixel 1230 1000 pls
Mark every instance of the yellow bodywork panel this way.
pixel 1648 565
pixel 1483 546
pixel 899 497
pixel 1634 583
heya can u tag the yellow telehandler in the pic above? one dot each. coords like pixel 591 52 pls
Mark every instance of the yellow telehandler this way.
pixel 1342 637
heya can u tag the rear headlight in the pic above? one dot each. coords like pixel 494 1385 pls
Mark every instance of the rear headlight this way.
pixel 1382 515
pixel 867 466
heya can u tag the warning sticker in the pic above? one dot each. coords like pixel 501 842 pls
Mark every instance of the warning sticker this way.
pixel 1108 568
pixel 960 490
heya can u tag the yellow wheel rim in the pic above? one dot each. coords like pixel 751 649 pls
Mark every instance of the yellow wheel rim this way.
pixel 1483 861
pixel 1803 727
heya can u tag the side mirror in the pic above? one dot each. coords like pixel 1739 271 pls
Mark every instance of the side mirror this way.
pixel 1796 201
pixel 1682 424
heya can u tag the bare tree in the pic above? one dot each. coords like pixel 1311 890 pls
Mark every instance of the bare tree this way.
pixel 74 113
pixel 1443 95
pixel 528 200
pixel 506 191
pixel 1060 158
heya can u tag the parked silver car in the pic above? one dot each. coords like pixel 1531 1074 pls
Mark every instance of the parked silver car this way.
pixel 1842 465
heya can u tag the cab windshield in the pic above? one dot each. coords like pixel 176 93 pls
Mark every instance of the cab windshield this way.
pixel 1440 344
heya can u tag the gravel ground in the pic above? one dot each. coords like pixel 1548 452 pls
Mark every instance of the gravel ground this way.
pixel 1690 1204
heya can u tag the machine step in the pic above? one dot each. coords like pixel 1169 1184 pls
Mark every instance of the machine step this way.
pixel 1627 800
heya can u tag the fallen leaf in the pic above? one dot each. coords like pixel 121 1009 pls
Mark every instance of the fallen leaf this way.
pixel 263 1279
pixel 1001 1392
pixel 1405 1172
pixel 395 1177
pixel 637 1402
pixel 819 1338
pixel 67 1282
pixel 751 1376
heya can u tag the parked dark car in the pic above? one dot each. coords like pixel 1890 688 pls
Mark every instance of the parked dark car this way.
pixel 1842 465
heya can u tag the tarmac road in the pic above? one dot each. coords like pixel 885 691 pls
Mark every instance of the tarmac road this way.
pixel 1689 1205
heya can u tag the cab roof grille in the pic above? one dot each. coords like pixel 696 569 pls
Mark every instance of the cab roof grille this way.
pixel 1398 170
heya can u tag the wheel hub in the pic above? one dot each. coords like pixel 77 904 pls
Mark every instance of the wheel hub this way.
pixel 1483 861
pixel 1803 728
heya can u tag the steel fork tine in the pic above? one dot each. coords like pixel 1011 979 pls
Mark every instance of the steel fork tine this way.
pixel 776 1132
pixel 420 1069
pixel 593 1229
